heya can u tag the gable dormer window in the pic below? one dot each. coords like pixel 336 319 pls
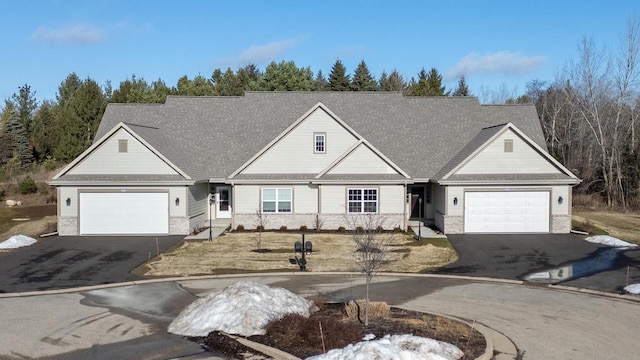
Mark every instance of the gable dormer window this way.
pixel 123 146
pixel 508 145
pixel 319 143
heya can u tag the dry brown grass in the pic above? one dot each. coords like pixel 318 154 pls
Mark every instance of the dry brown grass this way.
pixel 233 253
pixel 377 309
pixel 624 226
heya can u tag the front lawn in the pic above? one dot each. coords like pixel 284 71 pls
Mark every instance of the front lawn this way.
pixel 236 252
pixel 624 226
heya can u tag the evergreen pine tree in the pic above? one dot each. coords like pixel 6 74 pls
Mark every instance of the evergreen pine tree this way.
pixel 392 82
pixel 428 84
pixel 362 79
pixel 462 89
pixel 320 83
pixel 18 141
pixel 338 79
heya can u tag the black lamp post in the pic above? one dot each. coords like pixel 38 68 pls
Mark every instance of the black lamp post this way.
pixel 212 200
pixel 419 219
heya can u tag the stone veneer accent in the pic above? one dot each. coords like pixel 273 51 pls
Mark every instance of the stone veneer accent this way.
pixel 453 224
pixel 560 224
pixel 179 225
pixel 67 226
pixel 295 221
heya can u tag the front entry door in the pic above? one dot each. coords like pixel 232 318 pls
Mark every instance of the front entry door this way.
pixel 223 195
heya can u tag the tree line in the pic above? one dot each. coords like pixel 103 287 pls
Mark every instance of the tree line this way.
pixel 589 113
pixel 53 131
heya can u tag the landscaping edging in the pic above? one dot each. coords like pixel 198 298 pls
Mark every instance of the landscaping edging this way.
pixel 489 336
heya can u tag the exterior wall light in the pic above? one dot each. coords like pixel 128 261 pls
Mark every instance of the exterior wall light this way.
pixel 455 201
pixel 68 201
pixel 177 201
pixel 560 200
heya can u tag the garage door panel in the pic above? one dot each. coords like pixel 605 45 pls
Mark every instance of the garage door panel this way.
pixel 124 213
pixel 506 211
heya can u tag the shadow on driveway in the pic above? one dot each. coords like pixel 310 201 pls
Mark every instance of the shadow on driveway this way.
pixel 511 256
pixel 72 261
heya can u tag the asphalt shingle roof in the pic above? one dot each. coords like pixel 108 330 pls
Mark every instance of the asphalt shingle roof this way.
pixel 211 137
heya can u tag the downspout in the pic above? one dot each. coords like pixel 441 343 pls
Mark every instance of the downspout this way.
pixel 233 206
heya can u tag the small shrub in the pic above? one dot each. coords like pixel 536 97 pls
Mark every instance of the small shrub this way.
pixel 283 228
pixel 303 228
pixel 377 309
pixel 260 228
pixel 342 230
pixel 50 163
pixel 240 227
pixel 27 186
pixel 359 229
pixel 297 331
pixel 379 229
pixel 397 229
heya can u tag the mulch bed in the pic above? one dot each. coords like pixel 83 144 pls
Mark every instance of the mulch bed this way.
pixel 305 341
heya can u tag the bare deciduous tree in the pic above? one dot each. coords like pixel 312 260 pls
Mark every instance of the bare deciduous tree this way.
pixel 372 248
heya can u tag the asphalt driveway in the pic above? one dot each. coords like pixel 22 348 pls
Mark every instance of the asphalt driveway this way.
pixel 72 261
pixel 511 256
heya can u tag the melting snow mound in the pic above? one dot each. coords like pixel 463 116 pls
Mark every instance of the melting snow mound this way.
pixel 405 347
pixel 243 308
pixel 17 241
pixel 609 240
pixel 633 289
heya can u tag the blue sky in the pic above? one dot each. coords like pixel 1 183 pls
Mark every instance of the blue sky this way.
pixel 495 44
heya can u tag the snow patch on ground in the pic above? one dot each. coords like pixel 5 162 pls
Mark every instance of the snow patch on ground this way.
pixel 633 289
pixel 405 347
pixel 609 241
pixel 17 241
pixel 243 308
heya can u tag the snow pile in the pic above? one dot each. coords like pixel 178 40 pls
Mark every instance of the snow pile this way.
pixel 405 347
pixel 609 241
pixel 243 308
pixel 633 289
pixel 17 241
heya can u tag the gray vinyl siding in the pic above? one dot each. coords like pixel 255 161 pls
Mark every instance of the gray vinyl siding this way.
pixel 107 159
pixel 297 147
pixel 198 199
pixel 494 160
pixel 362 161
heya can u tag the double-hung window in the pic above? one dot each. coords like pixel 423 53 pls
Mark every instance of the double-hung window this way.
pixel 276 200
pixel 362 200
pixel 319 143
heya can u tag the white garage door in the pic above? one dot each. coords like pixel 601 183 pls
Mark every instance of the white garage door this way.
pixel 506 212
pixel 124 213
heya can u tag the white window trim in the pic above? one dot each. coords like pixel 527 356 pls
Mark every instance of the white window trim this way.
pixel 277 201
pixel 324 143
pixel 362 201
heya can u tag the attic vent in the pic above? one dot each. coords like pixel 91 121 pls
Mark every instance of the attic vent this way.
pixel 123 146
pixel 508 145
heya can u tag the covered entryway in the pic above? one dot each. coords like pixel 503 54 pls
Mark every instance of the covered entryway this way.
pixel 506 212
pixel 119 213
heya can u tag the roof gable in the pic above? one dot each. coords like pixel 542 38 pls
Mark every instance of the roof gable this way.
pixel 121 152
pixel 215 137
pixel 486 154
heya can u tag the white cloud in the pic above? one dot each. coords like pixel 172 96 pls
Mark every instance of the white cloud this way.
pixel 256 54
pixel 501 62
pixel 82 34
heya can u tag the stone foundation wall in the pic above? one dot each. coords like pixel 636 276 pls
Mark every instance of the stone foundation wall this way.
pixel 453 224
pixel 179 225
pixel 560 224
pixel 311 221
pixel 67 226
